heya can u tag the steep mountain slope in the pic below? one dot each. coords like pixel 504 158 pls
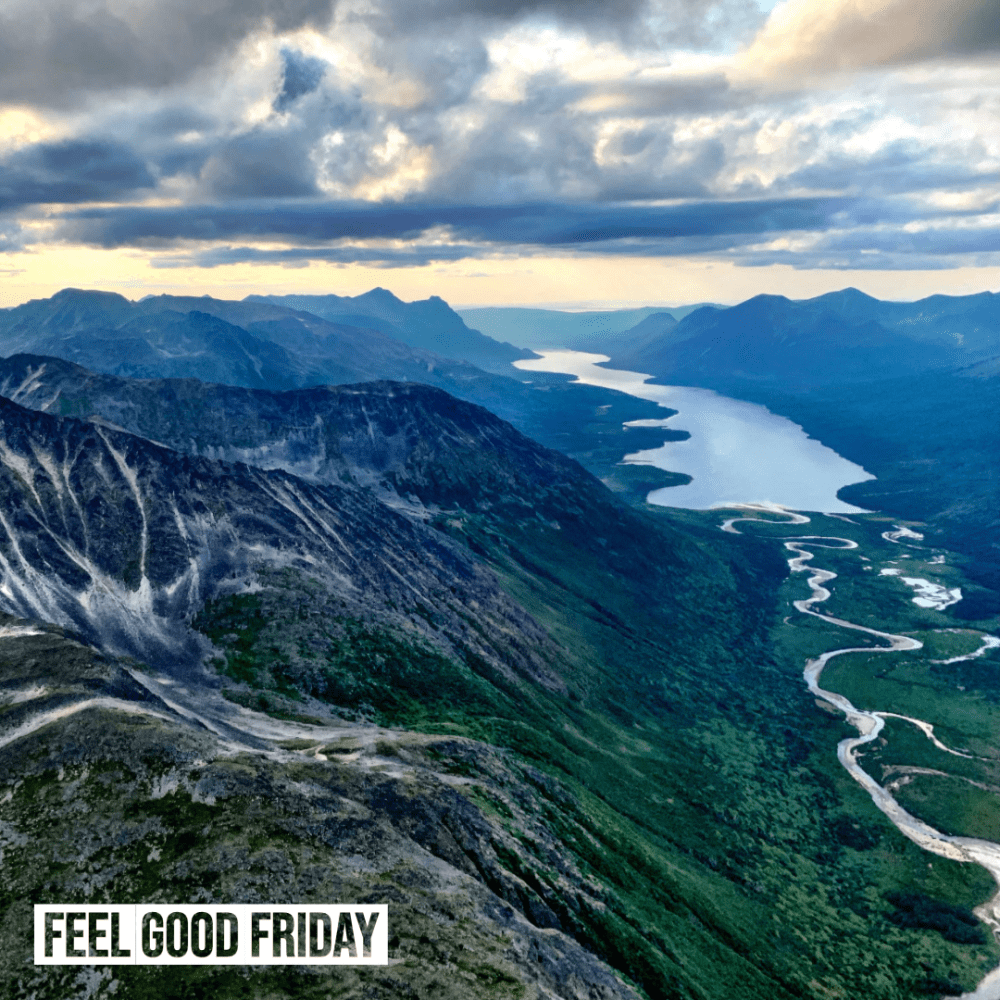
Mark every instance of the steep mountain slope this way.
pixel 125 540
pixel 600 751
pixel 430 324
pixel 113 794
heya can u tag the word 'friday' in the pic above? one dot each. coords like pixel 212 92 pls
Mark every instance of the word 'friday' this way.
pixel 200 934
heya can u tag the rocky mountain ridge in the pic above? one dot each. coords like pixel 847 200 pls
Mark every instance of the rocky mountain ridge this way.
pixel 430 324
pixel 125 540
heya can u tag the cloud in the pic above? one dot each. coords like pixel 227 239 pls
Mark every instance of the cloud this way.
pixel 11 241
pixel 401 132
pixel 820 36
pixel 72 171
pixel 301 75
pixel 944 243
pixel 413 256
pixel 261 163
pixel 540 224
pixel 58 52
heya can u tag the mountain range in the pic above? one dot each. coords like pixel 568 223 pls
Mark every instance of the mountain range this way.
pixel 372 642
pixel 259 345
pixel 908 390
pixel 552 328
pixel 429 325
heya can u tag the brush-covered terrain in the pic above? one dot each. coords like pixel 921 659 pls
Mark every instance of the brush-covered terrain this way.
pixel 565 739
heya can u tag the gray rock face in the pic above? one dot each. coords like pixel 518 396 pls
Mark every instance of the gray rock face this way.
pixel 125 540
pixel 413 444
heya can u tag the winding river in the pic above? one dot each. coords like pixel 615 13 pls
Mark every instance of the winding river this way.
pixel 870 724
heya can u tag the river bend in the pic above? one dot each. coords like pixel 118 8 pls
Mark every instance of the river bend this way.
pixel 870 723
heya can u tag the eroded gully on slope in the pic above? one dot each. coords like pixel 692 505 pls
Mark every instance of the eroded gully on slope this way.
pixel 262 732
pixel 870 723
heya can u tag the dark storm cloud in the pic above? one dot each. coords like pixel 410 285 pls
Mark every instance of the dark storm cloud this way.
pixel 414 256
pixel 58 52
pixel 639 22
pixel 260 164
pixel 898 167
pixel 978 30
pixel 55 53
pixel 75 171
pixel 11 238
pixel 543 225
pixel 405 15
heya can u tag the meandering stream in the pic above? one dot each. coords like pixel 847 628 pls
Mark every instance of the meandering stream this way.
pixel 870 723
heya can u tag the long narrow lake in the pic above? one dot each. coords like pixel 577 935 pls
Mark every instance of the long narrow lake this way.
pixel 738 452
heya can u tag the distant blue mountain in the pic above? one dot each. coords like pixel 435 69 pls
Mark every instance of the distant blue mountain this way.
pixel 551 328
pixel 250 344
pixel 840 337
pixel 430 324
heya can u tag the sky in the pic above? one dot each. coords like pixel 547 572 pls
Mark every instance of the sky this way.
pixel 562 153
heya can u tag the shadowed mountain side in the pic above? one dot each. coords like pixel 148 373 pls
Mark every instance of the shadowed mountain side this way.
pixel 299 430
pixel 635 338
pixel 254 345
pixel 125 540
pixel 553 328
pixel 430 324
pixel 840 337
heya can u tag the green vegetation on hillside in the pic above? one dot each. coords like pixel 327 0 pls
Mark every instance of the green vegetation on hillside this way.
pixel 683 766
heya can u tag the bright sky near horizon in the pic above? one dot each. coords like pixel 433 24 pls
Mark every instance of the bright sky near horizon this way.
pixel 564 153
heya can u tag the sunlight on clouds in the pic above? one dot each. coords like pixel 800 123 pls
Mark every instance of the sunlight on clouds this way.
pixel 406 169
pixel 981 199
pixel 523 52
pixel 22 127
pixel 823 36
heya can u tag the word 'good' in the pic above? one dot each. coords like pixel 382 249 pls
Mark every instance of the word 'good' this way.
pixel 200 934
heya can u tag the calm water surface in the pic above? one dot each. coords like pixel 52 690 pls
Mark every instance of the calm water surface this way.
pixel 738 452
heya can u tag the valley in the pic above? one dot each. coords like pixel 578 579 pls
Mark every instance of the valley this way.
pixel 375 642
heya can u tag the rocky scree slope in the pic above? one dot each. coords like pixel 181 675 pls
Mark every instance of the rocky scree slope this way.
pixel 395 437
pixel 125 540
